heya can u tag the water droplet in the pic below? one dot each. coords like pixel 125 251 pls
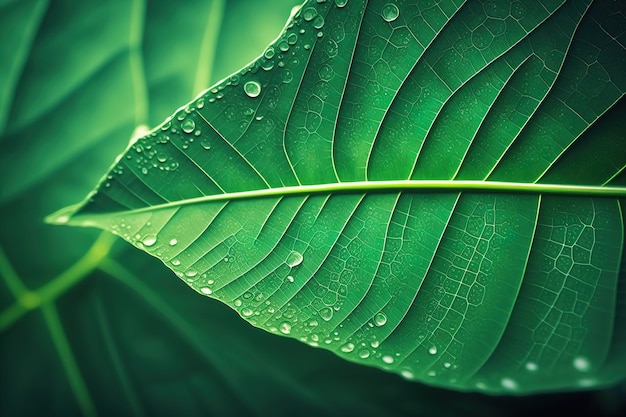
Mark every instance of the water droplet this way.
pixel 388 359
pixel 206 290
pixel 318 23
pixel 292 39
pixel 582 364
pixel 237 303
pixel 407 374
pixel 309 14
pixel 326 72
pixel 283 46
pixel 267 65
pixel 390 12
pixel 175 262
pixel 287 76
pixel 269 53
pixel 433 350
pixel 326 313
pixel 285 327
pixel 364 353
pixel 191 273
pixel 149 240
pixel 246 312
pixel 341 3
pixel 380 319
pixel 205 143
pixel 348 347
pixel 200 103
pixel 294 259
pixel 508 383
pixel 331 48
pixel 290 278
pixel 374 343
pixel 173 242
pixel 252 88
pixel 447 364
pixel 313 323
pixel 531 366
pixel 188 125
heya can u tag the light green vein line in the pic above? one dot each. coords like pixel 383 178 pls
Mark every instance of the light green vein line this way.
pixel 11 278
pixel 30 300
pixel 63 216
pixel 16 65
pixel 135 39
pixel 178 322
pixel 122 374
pixel 206 58
pixel 77 383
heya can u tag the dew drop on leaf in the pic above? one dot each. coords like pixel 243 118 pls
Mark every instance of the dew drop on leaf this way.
pixel 388 359
pixel 582 364
pixel 246 312
pixel 348 347
pixel 318 23
pixel 285 327
pixel 380 319
pixel 433 350
pixel 294 259
pixel 252 88
pixel 326 313
pixel 269 52
pixel 531 366
pixel 206 290
pixel 188 125
pixel 149 240
pixel 173 242
pixel 341 3
pixel 407 374
pixel 287 76
pixel 508 383
pixel 390 12
pixel 364 353
pixel 309 14
pixel 205 143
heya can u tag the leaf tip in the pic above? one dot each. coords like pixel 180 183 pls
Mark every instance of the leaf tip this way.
pixel 62 216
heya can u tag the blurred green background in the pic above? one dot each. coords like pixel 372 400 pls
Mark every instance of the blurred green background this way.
pixel 90 325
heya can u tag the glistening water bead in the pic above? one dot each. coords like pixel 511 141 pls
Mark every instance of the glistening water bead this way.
pixel 390 12
pixel 188 125
pixel 252 89
pixel 294 259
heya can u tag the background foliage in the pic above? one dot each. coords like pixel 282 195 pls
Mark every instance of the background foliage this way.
pixel 91 326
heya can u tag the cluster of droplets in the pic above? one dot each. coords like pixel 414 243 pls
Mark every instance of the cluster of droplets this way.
pixel 303 30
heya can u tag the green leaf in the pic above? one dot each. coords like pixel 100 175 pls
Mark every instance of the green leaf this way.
pixel 435 190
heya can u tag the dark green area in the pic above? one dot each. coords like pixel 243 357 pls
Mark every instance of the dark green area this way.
pixel 116 332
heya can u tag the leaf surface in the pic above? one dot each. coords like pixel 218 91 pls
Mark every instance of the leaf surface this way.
pixel 435 190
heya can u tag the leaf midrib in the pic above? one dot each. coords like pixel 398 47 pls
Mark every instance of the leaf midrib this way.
pixel 68 214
